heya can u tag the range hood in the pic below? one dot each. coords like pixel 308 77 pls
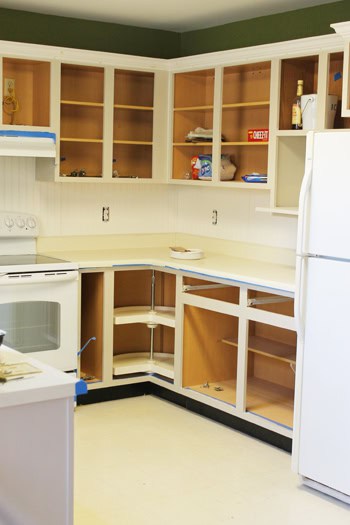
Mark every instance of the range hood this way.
pixel 17 143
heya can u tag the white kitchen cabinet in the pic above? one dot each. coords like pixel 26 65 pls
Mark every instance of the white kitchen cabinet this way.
pixel 223 343
pixel 239 347
pixel 37 448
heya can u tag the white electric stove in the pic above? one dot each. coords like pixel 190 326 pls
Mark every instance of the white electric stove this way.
pixel 38 295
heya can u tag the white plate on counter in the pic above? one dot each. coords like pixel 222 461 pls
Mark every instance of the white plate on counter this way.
pixel 186 253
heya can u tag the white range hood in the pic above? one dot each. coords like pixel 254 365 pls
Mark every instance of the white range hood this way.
pixel 17 143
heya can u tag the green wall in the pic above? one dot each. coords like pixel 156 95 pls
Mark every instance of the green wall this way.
pixel 312 21
pixel 22 26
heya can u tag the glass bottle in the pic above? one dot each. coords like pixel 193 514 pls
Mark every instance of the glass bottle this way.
pixel 297 122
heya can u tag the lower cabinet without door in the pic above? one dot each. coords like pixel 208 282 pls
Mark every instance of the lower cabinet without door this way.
pixel 226 344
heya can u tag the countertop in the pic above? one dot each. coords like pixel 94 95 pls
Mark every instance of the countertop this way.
pixel 49 384
pixel 271 275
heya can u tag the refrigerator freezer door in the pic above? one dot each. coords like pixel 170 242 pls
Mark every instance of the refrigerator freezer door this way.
pixel 324 446
pixel 328 230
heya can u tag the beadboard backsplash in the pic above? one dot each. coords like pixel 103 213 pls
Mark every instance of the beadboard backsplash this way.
pixel 76 208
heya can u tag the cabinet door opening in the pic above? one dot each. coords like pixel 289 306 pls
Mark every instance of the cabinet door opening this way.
pixel 271 372
pixel 335 87
pixel 91 326
pixel 294 69
pixel 81 136
pixel 30 87
pixel 133 124
pixel 144 319
pixel 210 365
pixel 193 108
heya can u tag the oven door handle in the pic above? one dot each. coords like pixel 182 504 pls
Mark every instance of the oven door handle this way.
pixel 38 277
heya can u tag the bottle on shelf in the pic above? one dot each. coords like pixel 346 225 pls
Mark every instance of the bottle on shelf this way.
pixel 297 122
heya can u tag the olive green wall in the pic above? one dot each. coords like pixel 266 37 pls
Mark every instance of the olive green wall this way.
pixel 22 26
pixel 312 21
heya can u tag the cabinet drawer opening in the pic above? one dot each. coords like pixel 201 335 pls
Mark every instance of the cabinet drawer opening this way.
pixel 91 326
pixel 209 365
pixel 269 302
pixel 211 290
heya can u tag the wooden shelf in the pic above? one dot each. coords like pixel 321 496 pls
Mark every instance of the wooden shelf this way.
pixel 268 348
pixel 264 103
pixel 163 315
pixel 70 139
pixel 244 143
pixel 271 401
pixel 134 142
pixel 140 362
pixel 264 399
pixel 195 108
pixel 137 108
pixel 82 103
pixel 191 144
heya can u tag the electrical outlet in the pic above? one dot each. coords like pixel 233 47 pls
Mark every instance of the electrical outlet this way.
pixel 214 217
pixel 105 214
pixel 9 86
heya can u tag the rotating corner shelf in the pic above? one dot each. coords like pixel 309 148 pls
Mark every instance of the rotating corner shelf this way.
pixel 140 362
pixel 163 315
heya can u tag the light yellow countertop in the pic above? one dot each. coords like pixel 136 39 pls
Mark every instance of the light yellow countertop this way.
pixel 261 273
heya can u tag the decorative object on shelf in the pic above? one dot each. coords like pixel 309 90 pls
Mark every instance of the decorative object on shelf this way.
pixel 258 135
pixel 200 135
pixel 297 122
pixel 178 252
pixel 201 167
pixel 2 335
pixel 309 110
pixel 228 168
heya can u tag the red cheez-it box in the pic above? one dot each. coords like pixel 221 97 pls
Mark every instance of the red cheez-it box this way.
pixel 258 135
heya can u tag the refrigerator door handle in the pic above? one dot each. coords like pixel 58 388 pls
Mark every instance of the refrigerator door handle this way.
pixel 298 297
pixel 304 191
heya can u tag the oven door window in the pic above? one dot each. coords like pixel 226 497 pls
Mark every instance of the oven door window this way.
pixel 31 326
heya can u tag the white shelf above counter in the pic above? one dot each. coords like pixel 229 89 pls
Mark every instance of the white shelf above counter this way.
pixel 291 211
pixel 163 315
pixel 140 362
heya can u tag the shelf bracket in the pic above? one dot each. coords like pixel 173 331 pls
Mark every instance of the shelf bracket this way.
pixel 268 300
pixel 190 287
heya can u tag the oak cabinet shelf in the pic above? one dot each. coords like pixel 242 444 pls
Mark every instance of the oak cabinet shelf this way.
pixel 268 348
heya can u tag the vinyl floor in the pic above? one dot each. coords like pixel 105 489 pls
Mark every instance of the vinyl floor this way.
pixel 144 461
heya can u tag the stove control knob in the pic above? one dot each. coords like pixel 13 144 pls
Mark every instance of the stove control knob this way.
pixel 9 222
pixel 20 222
pixel 31 222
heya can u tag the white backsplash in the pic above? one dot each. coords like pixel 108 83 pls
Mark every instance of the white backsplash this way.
pixel 75 209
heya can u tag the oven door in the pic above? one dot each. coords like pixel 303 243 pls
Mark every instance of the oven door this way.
pixel 39 312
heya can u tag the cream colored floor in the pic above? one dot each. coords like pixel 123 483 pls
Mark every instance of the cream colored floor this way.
pixel 144 461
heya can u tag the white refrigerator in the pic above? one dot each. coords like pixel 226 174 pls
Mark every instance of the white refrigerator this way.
pixel 321 444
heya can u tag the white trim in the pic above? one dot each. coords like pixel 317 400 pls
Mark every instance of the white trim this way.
pixel 246 55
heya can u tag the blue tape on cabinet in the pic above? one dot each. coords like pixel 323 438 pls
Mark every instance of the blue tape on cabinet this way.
pixel 32 134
